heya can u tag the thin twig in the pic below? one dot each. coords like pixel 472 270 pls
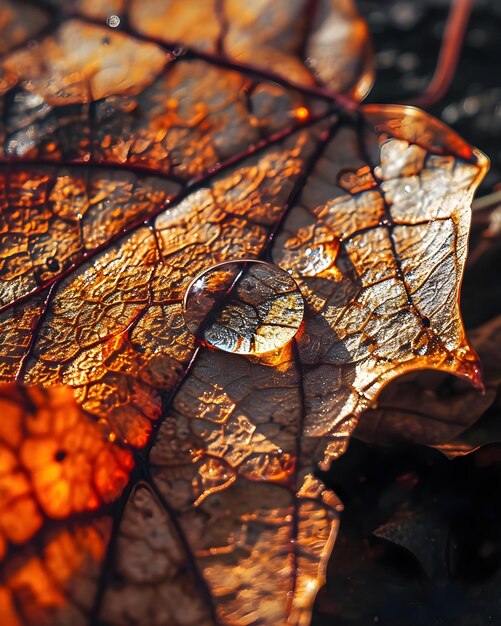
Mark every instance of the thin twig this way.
pixel 448 57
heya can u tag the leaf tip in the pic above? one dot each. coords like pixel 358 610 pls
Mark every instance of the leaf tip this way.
pixel 469 368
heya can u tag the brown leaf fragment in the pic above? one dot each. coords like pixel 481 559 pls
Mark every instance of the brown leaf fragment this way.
pixel 114 328
pixel 51 217
pixel 226 460
pixel 185 120
pixel 433 408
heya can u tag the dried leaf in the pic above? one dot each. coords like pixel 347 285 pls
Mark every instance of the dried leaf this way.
pixel 433 408
pixel 423 534
pixel 132 165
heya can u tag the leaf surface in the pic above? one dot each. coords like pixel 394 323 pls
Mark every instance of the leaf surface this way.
pixel 433 408
pixel 130 165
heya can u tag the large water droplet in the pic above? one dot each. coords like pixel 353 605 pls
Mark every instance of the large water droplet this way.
pixel 247 307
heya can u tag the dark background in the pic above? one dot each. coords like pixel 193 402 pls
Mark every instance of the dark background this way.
pixel 439 562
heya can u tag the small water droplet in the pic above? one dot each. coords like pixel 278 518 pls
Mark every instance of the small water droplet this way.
pixel 113 21
pixel 320 260
pixel 245 307
pixel 385 221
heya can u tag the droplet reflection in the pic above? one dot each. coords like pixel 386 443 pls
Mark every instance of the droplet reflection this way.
pixel 113 21
pixel 246 307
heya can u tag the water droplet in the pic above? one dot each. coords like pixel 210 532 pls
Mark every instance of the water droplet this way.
pixel 318 260
pixel 113 21
pixel 245 307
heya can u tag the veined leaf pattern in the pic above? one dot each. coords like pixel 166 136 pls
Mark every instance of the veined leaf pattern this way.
pixel 133 159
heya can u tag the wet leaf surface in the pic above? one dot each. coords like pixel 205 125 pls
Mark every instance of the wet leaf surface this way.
pixel 437 409
pixel 131 163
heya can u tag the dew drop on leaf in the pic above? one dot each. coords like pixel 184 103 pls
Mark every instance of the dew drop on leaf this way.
pixel 113 21
pixel 245 307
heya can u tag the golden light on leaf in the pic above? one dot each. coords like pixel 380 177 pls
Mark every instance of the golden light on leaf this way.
pixel 131 164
